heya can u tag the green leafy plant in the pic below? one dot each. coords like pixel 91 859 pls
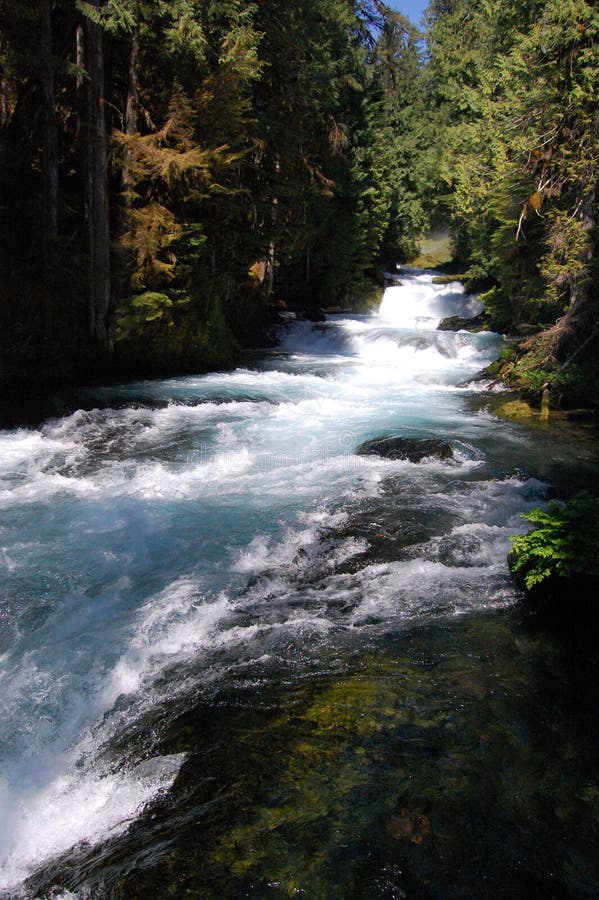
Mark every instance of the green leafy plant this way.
pixel 563 544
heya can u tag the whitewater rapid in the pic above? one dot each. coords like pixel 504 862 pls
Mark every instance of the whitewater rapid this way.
pixel 171 532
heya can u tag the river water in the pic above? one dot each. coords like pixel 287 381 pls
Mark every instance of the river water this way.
pixel 236 659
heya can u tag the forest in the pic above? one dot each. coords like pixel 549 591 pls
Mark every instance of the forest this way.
pixel 171 173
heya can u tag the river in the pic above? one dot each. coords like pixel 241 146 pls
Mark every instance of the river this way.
pixel 236 659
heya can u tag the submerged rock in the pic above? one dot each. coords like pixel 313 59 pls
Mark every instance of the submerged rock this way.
pixel 409 825
pixel 411 449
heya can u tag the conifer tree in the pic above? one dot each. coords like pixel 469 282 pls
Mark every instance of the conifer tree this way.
pixel 188 160
pixel 512 92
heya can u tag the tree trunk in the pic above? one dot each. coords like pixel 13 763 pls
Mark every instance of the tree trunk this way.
pixel 4 147
pixel 272 248
pixel 120 255
pixel 50 144
pixel 132 91
pixel 580 325
pixel 4 101
pixel 97 190
pixel 79 84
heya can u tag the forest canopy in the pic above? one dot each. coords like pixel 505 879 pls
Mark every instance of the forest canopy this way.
pixel 171 170
pixel 170 167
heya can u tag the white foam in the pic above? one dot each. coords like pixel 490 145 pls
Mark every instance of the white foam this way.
pixel 420 589
pixel 169 627
pixel 307 550
pixel 58 797
pixel 418 303
pixel 39 825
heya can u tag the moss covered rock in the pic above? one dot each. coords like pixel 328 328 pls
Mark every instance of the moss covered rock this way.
pixel 515 409
pixel 457 323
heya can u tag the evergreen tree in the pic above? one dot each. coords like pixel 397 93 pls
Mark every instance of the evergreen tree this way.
pixel 512 90
pixel 189 160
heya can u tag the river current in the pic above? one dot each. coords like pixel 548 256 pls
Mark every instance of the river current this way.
pixel 238 659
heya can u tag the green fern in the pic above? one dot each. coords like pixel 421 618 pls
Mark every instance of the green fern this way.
pixel 563 544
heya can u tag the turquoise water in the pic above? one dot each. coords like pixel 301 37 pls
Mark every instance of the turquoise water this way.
pixel 176 547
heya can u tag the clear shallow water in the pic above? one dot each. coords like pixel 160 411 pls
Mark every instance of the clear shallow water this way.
pixel 189 545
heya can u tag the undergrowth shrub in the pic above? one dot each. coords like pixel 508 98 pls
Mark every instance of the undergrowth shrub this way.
pixel 564 543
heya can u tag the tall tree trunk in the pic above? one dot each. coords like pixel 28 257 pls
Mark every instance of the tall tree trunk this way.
pixel 4 146
pixel 79 83
pixel 97 189
pixel 4 101
pixel 580 325
pixel 50 146
pixel 120 256
pixel 272 248
pixel 132 90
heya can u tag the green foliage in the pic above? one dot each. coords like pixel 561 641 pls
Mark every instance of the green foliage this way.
pixel 563 544
pixel 158 332
pixel 271 138
pixel 448 279
pixel 512 90
pixel 143 309
pixel 364 296
pixel 564 264
pixel 531 375
pixel 314 143
pixel 505 360
pixel 497 307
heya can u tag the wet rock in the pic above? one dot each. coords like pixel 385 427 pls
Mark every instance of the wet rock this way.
pixel 457 323
pixel 411 449
pixel 449 279
pixel 312 314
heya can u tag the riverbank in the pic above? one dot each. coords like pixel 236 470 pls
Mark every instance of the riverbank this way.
pixel 40 362
pixel 528 365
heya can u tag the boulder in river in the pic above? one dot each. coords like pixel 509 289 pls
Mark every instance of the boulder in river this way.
pixel 457 323
pixel 412 449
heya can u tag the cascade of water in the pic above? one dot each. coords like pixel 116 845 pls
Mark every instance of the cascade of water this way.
pixel 174 530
